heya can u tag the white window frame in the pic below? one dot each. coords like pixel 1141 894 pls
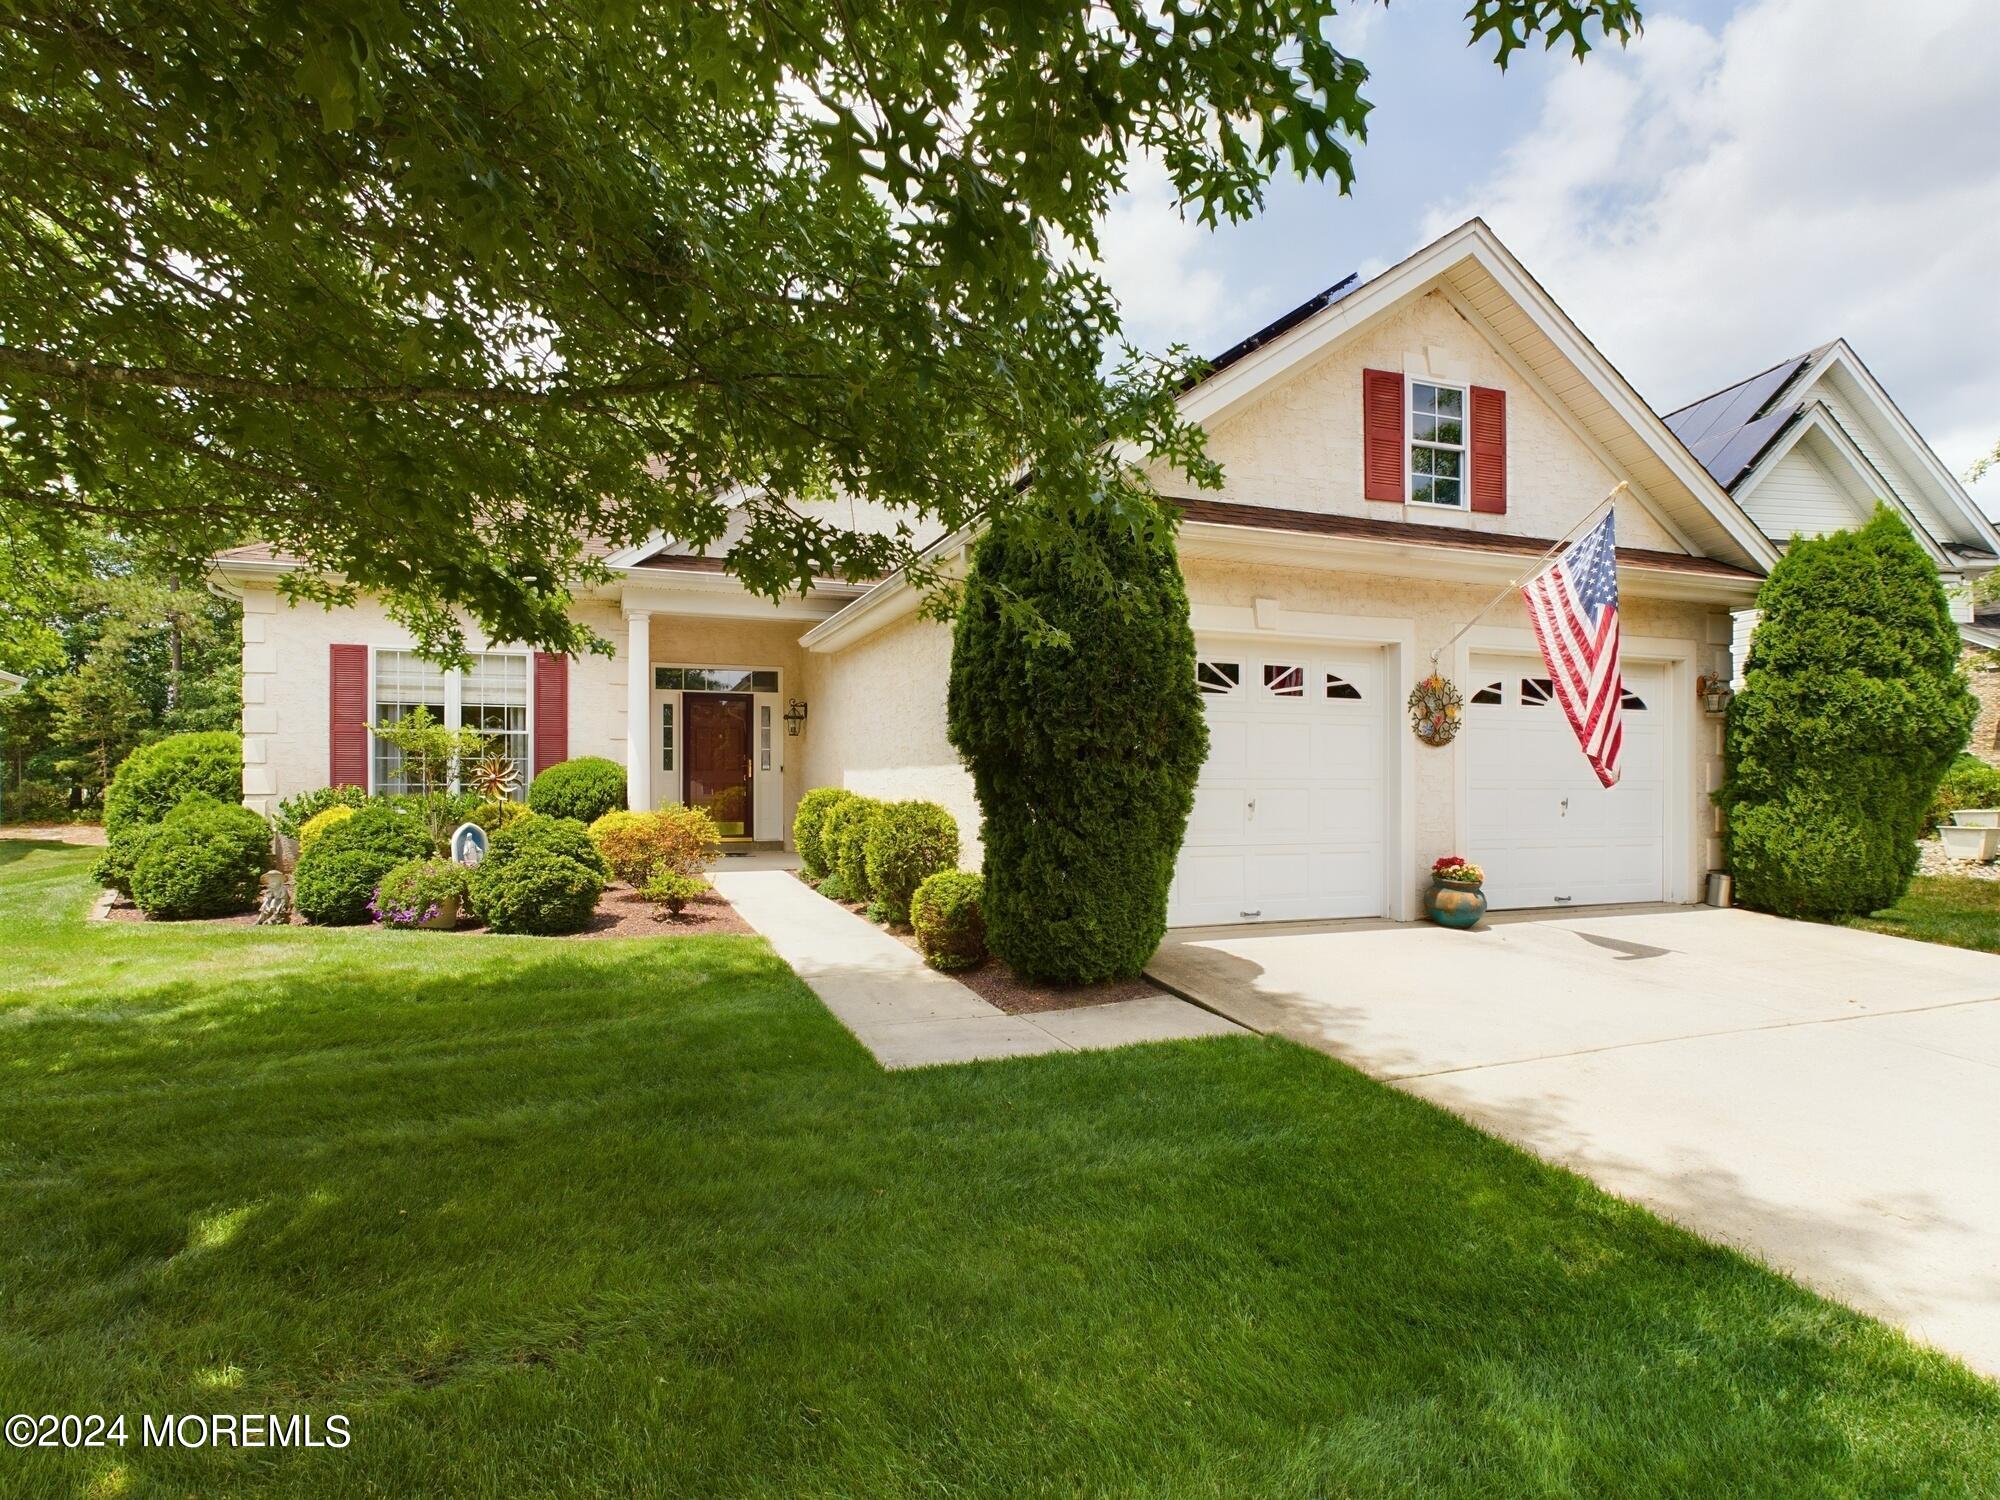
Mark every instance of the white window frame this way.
pixel 1411 441
pixel 453 707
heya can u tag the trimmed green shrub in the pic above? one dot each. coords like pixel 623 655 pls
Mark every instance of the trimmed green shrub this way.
pixel 584 789
pixel 1969 783
pixel 809 828
pixel 906 844
pixel 121 855
pixel 1083 746
pixel 154 779
pixel 295 812
pixel 494 816
pixel 1852 710
pixel 680 839
pixel 205 860
pixel 541 875
pixel 673 890
pixel 951 926
pixel 846 839
pixel 321 823
pixel 417 891
pixel 336 878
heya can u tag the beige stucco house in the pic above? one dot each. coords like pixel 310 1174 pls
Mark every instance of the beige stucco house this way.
pixel 1397 450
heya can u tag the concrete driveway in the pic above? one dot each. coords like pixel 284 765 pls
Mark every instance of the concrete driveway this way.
pixel 1825 1099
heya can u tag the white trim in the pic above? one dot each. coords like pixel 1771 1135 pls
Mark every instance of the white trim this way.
pixel 1397 640
pixel 1678 735
pixel 1411 381
pixel 638 711
pixel 1841 353
pixel 1820 418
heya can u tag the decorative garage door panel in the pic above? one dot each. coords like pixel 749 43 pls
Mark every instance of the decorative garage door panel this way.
pixel 1536 818
pixel 1290 814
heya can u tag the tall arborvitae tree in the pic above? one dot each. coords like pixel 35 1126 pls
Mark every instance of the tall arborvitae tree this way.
pixel 1852 709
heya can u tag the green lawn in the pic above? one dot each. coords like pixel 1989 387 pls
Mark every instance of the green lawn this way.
pixel 640 1218
pixel 1944 909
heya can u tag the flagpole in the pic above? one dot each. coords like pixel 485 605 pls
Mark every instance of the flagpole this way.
pixel 1554 547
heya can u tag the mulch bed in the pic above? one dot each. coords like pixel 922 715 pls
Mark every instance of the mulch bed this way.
pixel 1000 987
pixel 621 913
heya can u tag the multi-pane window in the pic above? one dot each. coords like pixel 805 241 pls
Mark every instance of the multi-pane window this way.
pixel 1216 679
pixel 764 737
pixel 1437 445
pixel 667 735
pixel 1284 681
pixel 491 696
pixel 715 679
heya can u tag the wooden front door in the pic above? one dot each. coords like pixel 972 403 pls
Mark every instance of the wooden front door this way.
pixel 715 765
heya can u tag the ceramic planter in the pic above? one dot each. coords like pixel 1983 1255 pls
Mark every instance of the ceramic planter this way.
pixel 1976 817
pixel 1455 903
pixel 446 918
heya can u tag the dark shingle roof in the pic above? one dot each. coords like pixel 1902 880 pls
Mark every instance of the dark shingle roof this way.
pixel 1733 428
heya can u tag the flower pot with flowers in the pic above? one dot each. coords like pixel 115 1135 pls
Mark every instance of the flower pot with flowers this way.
pixel 1455 898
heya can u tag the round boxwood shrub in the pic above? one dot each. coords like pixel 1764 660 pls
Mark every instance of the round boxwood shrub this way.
pixel 121 855
pixel 1852 709
pixel 417 891
pixel 541 875
pixel 321 823
pixel 846 842
pixel 951 927
pixel 584 789
pixel 907 843
pixel 1083 748
pixel 295 812
pixel 205 860
pixel 337 877
pixel 154 779
pixel 639 845
pixel 809 828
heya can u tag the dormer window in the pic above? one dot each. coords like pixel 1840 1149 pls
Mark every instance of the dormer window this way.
pixel 1437 445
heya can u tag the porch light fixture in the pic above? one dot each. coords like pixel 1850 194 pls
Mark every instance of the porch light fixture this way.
pixel 795 716
pixel 1716 694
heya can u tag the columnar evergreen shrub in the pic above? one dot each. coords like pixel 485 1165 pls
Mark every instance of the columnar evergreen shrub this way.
pixel 846 839
pixel 337 877
pixel 584 789
pixel 809 828
pixel 154 779
pixel 950 926
pixel 1083 746
pixel 541 875
pixel 907 843
pixel 1852 709
pixel 205 860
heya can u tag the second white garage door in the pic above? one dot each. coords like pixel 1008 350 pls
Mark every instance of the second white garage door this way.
pixel 1536 818
pixel 1290 814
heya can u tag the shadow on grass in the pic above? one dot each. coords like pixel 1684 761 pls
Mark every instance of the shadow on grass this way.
pixel 613 1210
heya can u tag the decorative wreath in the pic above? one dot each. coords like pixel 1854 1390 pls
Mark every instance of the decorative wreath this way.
pixel 1434 710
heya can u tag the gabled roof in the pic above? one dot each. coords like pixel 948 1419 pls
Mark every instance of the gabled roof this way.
pixel 1734 430
pixel 1491 289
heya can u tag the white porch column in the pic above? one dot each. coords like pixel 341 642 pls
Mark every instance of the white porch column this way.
pixel 639 751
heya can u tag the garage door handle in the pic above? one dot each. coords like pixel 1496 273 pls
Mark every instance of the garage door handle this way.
pixel 1253 807
pixel 1565 807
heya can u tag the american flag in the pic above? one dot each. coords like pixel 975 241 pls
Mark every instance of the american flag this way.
pixel 1573 604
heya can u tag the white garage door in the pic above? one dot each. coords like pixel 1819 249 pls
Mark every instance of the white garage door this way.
pixel 1546 833
pixel 1290 813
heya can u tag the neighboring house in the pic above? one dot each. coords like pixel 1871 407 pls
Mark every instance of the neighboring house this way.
pixel 1810 445
pixel 1397 450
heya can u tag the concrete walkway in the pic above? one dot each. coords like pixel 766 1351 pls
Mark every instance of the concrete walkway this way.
pixel 1827 1099
pixel 911 1016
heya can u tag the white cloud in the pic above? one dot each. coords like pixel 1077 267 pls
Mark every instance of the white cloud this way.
pixel 1706 204
pixel 1161 263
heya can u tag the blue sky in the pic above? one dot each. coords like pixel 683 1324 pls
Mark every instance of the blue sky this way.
pixel 1749 179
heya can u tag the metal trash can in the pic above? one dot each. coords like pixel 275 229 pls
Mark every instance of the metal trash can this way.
pixel 1721 888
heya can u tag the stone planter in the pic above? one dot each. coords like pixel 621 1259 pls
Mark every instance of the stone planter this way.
pixel 446 918
pixel 1455 903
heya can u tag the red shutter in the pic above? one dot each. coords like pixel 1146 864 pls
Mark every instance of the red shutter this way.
pixel 551 711
pixel 1382 456
pixel 1489 450
pixel 347 716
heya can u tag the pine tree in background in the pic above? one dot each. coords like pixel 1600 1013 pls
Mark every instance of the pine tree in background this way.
pixel 1852 709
